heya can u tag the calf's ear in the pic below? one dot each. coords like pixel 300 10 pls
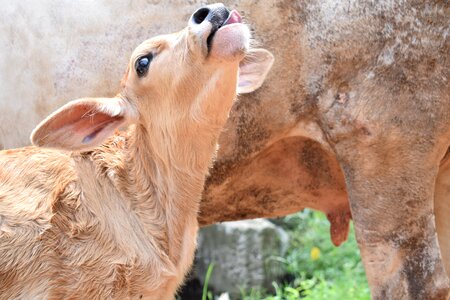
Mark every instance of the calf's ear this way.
pixel 82 124
pixel 253 70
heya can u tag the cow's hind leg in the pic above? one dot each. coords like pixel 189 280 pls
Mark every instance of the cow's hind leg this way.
pixel 391 192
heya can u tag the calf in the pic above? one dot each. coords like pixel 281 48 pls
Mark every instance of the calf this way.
pixel 100 216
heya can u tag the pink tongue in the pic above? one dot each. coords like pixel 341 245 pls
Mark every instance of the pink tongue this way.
pixel 235 17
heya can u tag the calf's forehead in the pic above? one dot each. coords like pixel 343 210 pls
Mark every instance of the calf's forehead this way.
pixel 157 44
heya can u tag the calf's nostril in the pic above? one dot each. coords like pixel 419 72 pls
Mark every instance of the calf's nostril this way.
pixel 200 15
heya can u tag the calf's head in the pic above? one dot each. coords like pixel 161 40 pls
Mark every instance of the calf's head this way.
pixel 189 77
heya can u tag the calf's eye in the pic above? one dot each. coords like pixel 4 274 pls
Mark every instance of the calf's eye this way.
pixel 142 65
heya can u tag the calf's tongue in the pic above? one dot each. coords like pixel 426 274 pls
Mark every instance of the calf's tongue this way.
pixel 234 17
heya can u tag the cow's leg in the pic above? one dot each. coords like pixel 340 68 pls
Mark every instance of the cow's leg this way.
pixel 442 212
pixel 391 196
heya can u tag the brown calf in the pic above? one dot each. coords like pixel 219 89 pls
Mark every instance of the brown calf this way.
pixel 118 218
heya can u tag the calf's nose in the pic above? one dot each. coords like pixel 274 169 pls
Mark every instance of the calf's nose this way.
pixel 216 14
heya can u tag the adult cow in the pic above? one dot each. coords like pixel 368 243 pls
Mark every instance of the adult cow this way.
pixel 360 87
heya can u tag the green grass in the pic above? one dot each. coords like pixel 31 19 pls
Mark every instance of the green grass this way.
pixel 206 295
pixel 327 273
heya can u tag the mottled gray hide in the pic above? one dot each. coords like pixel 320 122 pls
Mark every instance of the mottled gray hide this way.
pixel 357 104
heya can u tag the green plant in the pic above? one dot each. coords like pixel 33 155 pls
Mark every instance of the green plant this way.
pixel 206 295
pixel 316 268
